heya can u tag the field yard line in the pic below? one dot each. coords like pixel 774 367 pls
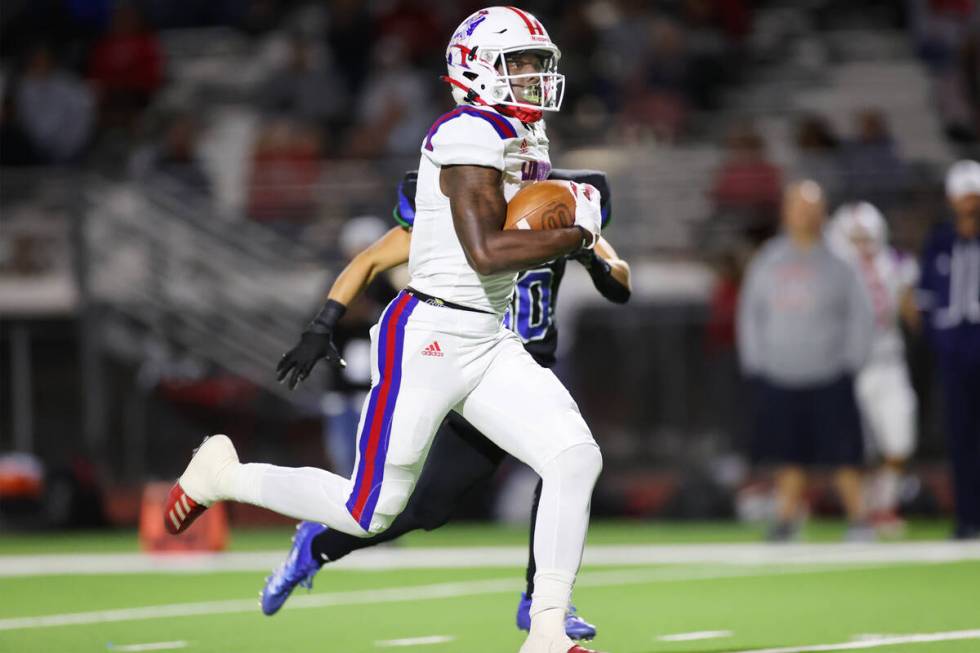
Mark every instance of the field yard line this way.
pixel 409 593
pixel 383 559
pixel 150 646
pixel 924 638
pixel 695 636
pixel 415 641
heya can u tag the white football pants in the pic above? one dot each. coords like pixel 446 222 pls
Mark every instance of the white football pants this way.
pixel 426 361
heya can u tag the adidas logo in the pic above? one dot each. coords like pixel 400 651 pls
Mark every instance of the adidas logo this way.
pixel 433 350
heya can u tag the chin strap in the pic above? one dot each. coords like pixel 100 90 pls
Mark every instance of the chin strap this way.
pixel 524 114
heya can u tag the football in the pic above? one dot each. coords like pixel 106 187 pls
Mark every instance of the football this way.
pixel 542 205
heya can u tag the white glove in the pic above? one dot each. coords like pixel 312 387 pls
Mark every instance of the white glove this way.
pixel 588 214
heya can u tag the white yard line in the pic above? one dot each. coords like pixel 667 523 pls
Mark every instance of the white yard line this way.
pixel 378 559
pixel 151 646
pixel 695 636
pixel 923 638
pixel 410 593
pixel 415 641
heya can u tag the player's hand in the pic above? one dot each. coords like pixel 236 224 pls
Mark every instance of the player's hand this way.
pixel 588 213
pixel 298 362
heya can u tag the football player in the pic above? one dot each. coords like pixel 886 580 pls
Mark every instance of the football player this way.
pixel 887 403
pixel 502 66
pixel 460 457
pixel 949 298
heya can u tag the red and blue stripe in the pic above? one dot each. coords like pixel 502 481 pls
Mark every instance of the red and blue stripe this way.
pixel 376 431
pixel 500 124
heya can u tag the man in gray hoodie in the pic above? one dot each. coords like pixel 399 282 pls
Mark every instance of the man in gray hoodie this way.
pixel 804 328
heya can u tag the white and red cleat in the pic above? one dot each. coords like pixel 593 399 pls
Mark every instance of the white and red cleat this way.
pixel 180 510
pixel 557 645
pixel 196 489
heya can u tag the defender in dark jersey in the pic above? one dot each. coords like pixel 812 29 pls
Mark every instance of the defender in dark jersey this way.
pixel 461 457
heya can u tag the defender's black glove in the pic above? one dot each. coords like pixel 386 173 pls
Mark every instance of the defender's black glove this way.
pixel 315 343
pixel 602 278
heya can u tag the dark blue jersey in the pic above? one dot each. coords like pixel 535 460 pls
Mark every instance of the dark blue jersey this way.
pixel 532 310
pixel 949 294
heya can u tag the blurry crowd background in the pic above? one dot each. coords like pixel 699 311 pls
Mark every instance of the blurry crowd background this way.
pixel 178 177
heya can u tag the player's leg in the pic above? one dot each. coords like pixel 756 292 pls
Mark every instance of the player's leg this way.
pixel 575 626
pixel 961 386
pixel 839 443
pixel 783 441
pixel 525 410
pixel 460 459
pixel 890 407
pixel 408 400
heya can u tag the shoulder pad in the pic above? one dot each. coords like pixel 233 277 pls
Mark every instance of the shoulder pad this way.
pixel 468 136
pixel 404 212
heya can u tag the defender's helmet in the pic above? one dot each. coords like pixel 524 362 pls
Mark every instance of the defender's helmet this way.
pixel 477 56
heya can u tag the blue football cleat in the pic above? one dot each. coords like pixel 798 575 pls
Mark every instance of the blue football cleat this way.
pixel 299 568
pixel 575 626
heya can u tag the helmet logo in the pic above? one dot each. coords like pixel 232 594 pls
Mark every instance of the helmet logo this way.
pixel 533 26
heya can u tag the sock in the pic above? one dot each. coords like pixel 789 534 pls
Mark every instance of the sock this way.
pixel 887 490
pixel 548 623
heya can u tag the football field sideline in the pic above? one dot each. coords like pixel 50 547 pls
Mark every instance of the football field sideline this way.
pixel 393 558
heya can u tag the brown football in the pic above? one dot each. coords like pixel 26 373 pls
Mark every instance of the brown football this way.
pixel 542 205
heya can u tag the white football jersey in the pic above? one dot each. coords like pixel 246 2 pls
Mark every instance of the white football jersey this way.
pixel 887 276
pixel 469 136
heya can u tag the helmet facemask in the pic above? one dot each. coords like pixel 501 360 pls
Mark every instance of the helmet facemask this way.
pixel 542 88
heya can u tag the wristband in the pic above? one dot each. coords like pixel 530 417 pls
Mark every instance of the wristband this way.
pixel 589 239
pixel 327 318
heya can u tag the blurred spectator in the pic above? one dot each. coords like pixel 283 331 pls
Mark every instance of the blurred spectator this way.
pixel 874 170
pixel 804 329
pixel 888 404
pixel 712 29
pixel 306 90
pixel 126 66
pixel 350 36
pixel 285 168
pixel 947 34
pixel 395 108
pixel 415 23
pixel 746 187
pixel 175 157
pixel 656 95
pixel 54 107
pixel 950 300
pixel 819 156
pixel 16 148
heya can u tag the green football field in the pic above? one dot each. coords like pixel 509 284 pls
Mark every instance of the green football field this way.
pixel 649 587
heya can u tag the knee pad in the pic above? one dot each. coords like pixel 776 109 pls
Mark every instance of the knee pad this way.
pixel 581 463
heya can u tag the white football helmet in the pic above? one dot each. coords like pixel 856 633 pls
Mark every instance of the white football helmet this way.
pixel 861 222
pixel 477 61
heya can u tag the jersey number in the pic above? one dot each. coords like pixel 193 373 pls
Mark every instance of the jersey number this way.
pixel 964 290
pixel 530 313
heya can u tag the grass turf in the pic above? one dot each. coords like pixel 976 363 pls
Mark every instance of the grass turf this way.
pixel 799 607
pixel 610 532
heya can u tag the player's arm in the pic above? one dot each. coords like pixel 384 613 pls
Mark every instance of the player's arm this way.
pixel 389 251
pixel 478 208
pixel 610 274
pixel 316 342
